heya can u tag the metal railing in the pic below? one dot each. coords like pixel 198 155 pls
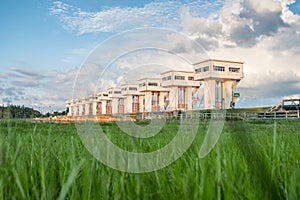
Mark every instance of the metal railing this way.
pixel 175 115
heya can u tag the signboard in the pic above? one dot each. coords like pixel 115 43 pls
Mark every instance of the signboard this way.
pixel 236 95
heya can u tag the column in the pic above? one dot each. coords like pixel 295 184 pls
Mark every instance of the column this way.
pixel 209 94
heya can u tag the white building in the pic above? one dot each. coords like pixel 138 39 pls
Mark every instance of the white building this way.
pixel 181 88
pixel 113 105
pixel 174 90
pixel 102 98
pixel 131 98
pixel 220 77
pixel 152 100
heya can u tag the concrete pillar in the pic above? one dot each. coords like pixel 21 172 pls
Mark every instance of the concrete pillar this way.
pixel 148 101
pixel 128 104
pixel 227 93
pixel 209 94
pixel 94 108
pixel 103 109
pixel 80 109
pixel 161 101
pixel 141 102
pixel 87 106
pixel 189 98
pixel 72 110
pixel 115 105
pixel 173 97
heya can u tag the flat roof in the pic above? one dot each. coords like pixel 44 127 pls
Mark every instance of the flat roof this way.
pixel 219 60
pixel 156 79
pixel 102 92
pixel 129 84
pixel 177 71
pixel 114 88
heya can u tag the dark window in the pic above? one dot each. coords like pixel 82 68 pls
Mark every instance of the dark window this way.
pixel 190 78
pixel 234 69
pixel 179 77
pixel 219 68
pixel 132 88
pixel 167 78
pixel 152 84
pixel 198 70
pixel 142 84
pixel 206 69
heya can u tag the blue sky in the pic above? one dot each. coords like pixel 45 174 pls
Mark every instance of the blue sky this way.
pixel 44 43
pixel 295 7
pixel 33 38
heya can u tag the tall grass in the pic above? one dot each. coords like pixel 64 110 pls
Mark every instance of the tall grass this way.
pixel 252 160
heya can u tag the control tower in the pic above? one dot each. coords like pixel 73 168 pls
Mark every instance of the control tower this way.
pixel 219 77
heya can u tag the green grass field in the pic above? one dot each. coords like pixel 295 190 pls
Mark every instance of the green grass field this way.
pixel 252 160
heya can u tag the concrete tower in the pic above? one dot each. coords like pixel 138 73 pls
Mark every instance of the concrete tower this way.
pixel 180 85
pixel 220 77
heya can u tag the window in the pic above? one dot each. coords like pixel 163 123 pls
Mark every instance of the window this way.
pixel 206 69
pixel 124 89
pixel 152 84
pixel 219 68
pixel 133 88
pixel 179 77
pixel 110 92
pixel 190 78
pixel 105 95
pixel 142 84
pixel 167 78
pixel 234 69
pixel 117 92
pixel 198 70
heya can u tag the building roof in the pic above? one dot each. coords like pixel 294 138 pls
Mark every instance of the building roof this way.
pixel 181 71
pixel 218 60
pixel 152 79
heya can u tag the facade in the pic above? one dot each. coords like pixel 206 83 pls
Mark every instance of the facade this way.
pixel 220 78
pixel 174 90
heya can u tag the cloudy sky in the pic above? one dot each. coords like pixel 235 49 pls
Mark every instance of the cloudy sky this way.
pixel 44 43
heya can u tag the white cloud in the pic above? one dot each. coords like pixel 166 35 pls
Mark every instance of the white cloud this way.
pixel 154 14
pixel 264 34
pixel 38 89
pixel 259 33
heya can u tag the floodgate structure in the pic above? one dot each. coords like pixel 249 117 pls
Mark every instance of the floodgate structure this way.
pixel 209 86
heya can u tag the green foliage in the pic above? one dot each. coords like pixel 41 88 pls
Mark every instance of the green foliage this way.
pixel 12 111
pixel 22 112
pixel 250 161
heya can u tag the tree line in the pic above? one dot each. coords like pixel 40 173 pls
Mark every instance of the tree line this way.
pixel 16 111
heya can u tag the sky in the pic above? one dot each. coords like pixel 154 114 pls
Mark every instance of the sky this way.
pixel 45 43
